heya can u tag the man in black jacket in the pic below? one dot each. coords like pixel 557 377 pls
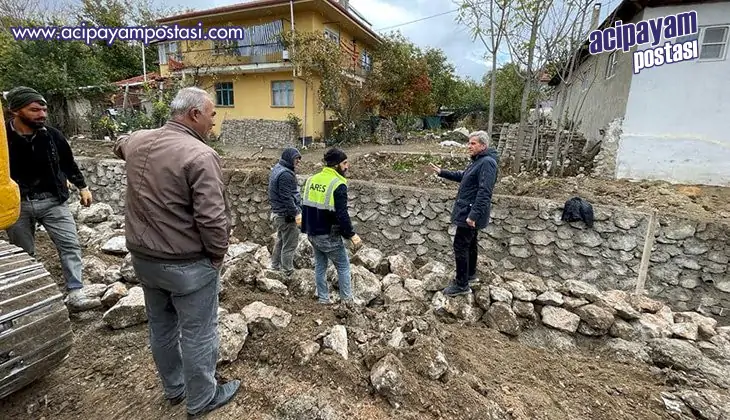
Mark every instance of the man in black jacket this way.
pixel 41 163
pixel 471 209
pixel 286 213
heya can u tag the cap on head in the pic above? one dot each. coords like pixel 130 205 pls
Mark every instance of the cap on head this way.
pixel 334 157
pixel 21 96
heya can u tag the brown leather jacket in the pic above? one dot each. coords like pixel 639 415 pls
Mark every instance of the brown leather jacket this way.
pixel 176 207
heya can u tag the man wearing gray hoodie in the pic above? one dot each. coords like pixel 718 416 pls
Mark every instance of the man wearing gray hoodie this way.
pixel 286 210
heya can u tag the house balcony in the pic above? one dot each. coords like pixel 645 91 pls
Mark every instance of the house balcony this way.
pixel 228 62
pixel 262 52
pixel 354 63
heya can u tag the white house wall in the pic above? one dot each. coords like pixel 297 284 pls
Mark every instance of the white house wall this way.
pixel 677 124
pixel 603 101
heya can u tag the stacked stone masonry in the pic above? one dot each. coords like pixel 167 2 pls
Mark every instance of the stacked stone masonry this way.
pixel 257 133
pixel 605 160
pixel 571 144
pixel 688 264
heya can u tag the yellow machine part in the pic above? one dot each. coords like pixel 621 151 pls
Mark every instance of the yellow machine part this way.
pixel 9 192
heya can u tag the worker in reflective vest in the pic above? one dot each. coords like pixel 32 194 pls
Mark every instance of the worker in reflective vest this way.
pixel 325 221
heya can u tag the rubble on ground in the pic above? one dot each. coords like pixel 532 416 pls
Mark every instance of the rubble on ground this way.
pixel 400 307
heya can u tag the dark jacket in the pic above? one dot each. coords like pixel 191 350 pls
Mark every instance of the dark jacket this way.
pixel 175 207
pixel 42 162
pixel 284 195
pixel 474 200
pixel 323 222
pixel 577 209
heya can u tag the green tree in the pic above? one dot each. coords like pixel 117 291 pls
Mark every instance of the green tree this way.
pixel 511 82
pixel 399 84
pixel 319 61
pixel 444 82
pixel 469 96
pixel 488 22
pixel 122 59
pixel 64 66
pixel 50 66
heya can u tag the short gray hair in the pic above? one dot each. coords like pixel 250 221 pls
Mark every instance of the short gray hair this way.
pixel 188 98
pixel 482 136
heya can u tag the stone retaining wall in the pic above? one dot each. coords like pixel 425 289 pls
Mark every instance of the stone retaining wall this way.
pixel 258 132
pixel 106 180
pixel 687 266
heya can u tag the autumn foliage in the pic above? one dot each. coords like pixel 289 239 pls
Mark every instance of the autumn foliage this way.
pixel 398 84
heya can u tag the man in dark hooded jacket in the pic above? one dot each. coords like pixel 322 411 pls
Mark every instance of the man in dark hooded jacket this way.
pixel 286 210
pixel 471 209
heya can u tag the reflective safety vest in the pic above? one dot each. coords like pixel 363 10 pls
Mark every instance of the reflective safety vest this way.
pixel 319 191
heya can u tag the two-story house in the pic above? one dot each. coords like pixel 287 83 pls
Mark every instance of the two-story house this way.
pixel 254 83
pixel 669 121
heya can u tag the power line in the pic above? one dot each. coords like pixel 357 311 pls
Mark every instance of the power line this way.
pixel 428 17
pixel 418 20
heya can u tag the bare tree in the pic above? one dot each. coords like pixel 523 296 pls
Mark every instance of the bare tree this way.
pixel 487 21
pixel 536 26
pixel 15 12
pixel 565 55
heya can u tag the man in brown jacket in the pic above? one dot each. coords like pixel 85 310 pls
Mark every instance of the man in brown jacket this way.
pixel 177 227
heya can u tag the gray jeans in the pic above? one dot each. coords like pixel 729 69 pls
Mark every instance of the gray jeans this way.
pixel 287 239
pixel 58 221
pixel 181 301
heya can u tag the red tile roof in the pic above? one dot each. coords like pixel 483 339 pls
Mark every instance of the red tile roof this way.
pixel 137 79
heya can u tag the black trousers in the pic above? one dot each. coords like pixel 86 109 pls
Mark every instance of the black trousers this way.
pixel 465 254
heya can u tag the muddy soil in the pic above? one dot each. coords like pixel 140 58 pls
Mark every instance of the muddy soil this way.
pixel 110 374
pixel 408 164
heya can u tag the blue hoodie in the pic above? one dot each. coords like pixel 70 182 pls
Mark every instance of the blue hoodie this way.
pixel 474 200
pixel 284 195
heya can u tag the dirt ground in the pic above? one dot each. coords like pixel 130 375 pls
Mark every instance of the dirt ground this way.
pixel 407 164
pixel 110 374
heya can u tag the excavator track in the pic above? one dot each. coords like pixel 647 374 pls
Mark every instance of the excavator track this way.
pixel 35 329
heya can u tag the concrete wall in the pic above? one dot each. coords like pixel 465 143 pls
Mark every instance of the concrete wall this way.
pixel 688 262
pixel 676 119
pixel 604 99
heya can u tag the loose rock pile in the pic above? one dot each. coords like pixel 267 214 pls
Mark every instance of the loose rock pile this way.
pixel 401 310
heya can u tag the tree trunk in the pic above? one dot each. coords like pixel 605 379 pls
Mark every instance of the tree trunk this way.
pixel 517 150
pixel 492 93
pixel 571 64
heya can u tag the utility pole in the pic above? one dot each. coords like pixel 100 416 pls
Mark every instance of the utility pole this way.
pixel 144 63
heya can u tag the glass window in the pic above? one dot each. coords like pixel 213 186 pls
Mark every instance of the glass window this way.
pixel 714 42
pixel 282 93
pixel 224 94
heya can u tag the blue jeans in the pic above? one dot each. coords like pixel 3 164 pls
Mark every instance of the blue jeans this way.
pixel 326 248
pixel 181 301
pixel 61 227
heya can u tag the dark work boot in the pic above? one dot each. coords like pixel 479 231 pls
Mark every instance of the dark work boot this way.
pixel 456 290
pixel 223 395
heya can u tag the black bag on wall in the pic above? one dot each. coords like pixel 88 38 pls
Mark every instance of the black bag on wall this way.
pixel 577 209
